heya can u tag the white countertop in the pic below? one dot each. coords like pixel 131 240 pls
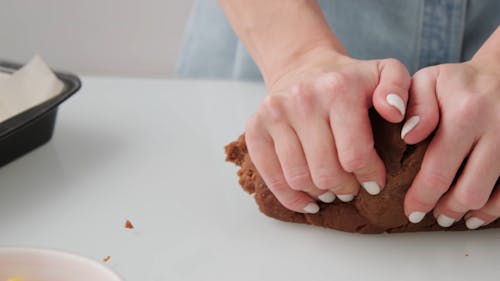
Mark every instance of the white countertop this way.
pixel 152 151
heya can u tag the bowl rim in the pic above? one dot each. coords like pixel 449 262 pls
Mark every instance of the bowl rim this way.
pixel 63 255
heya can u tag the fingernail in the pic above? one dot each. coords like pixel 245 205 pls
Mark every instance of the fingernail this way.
pixel 371 187
pixel 445 221
pixel 345 197
pixel 473 223
pixel 327 197
pixel 409 125
pixel 311 208
pixel 416 217
pixel 397 102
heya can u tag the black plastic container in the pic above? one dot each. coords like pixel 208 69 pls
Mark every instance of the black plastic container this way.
pixel 34 127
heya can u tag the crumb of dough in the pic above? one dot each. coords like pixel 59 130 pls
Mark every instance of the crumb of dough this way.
pixel 14 279
pixel 106 259
pixel 129 225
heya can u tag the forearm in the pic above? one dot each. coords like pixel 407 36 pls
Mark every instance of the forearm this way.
pixel 490 51
pixel 278 32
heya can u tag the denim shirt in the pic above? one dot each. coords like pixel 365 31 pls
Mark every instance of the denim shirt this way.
pixel 419 33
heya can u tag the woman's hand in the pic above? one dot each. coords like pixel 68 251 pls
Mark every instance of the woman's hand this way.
pixel 311 137
pixel 463 102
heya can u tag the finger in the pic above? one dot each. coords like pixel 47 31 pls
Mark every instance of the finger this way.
pixel 290 153
pixel 441 162
pixel 487 214
pixel 315 135
pixel 391 94
pixel 293 162
pixel 353 135
pixel 474 186
pixel 262 153
pixel 423 111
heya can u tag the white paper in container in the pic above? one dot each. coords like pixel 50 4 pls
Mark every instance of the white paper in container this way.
pixel 30 86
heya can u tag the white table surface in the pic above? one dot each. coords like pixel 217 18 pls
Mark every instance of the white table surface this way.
pixel 152 151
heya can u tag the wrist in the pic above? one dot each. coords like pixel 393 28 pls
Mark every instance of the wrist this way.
pixel 279 33
pixel 486 61
pixel 488 56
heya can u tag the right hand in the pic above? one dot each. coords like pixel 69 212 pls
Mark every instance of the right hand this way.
pixel 311 137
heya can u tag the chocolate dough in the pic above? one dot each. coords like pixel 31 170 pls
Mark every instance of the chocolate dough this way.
pixel 366 213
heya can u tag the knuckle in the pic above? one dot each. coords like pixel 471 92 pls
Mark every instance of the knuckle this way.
pixel 345 186
pixel 335 82
pixel 277 184
pixel 271 109
pixel 469 110
pixel 292 202
pixel 298 179
pixel 470 107
pixel 437 181
pixel 415 201
pixel 420 74
pixel 392 62
pixel 425 74
pixel 303 99
pixel 355 162
pixel 300 89
pixel 325 180
pixel 467 203
pixel 354 159
pixel 471 199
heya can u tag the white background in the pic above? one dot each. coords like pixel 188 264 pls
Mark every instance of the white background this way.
pixel 157 159
pixel 98 37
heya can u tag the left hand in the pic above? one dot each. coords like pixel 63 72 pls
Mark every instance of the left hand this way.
pixel 463 102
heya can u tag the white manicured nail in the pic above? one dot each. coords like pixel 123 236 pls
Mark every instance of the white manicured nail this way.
pixel 397 102
pixel 311 208
pixel 409 125
pixel 445 221
pixel 371 187
pixel 473 223
pixel 416 217
pixel 345 197
pixel 327 197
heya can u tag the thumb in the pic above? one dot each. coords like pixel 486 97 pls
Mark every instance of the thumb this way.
pixel 423 109
pixel 391 94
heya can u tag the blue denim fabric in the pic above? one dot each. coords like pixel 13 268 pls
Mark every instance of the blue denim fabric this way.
pixel 417 32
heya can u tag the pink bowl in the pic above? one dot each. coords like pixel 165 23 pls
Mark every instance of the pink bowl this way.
pixel 50 265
